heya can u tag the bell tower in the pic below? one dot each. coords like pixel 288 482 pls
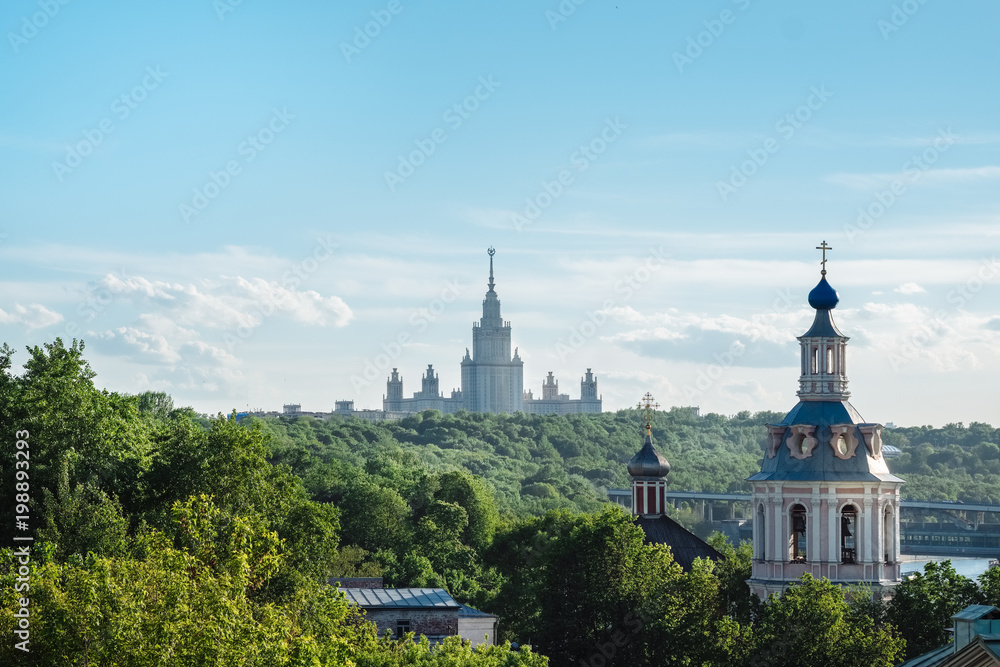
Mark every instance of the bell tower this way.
pixel 648 470
pixel 824 501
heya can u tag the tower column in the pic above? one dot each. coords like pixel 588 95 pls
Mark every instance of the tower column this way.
pixel 833 554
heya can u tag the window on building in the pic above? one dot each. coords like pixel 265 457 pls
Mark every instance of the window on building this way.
pixel 848 533
pixel 797 542
pixel 814 367
pixel 402 627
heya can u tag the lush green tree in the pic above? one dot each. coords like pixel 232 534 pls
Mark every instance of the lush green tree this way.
pixel 733 571
pixel 81 519
pixel 477 499
pixel 452 652
pixel 156 404
pixel 374 517
pixel 923 604
pixel 989 586
pixel 310 532
pixel 228 461
pixel 586 588
pixel 65 418
pixel 812 624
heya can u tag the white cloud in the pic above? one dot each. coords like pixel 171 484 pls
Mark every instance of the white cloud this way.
pixel 909 288
pixel 877 180
pixel 910 335
pixel 232 301
pixel 35 316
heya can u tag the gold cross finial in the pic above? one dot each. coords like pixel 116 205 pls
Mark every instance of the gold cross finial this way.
pixel 648 404
pixel 824 247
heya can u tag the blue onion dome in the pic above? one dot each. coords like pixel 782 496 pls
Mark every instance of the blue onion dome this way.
pixel 648 462
pixel 823 297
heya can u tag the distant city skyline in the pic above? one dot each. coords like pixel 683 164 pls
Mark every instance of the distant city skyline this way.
pixel 247 205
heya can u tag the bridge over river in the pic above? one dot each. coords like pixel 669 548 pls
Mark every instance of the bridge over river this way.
pixel 927 527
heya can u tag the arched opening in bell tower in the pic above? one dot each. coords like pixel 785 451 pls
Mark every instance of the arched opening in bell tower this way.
pixel 888 536
pixel 848 534
pixel 797 542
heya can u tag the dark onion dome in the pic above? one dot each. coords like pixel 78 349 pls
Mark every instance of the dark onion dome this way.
pixel 648 462
pixel 823 297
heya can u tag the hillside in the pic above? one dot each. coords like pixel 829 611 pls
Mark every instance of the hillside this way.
pixel 534 463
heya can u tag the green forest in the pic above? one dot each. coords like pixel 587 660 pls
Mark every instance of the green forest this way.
pixel 165 537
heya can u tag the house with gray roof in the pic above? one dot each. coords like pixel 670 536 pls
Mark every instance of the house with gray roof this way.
pixel 431 612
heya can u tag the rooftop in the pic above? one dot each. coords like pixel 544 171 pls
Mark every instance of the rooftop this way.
pixel 400 598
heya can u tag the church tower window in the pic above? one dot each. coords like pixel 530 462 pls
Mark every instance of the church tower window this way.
pixel 888 536
pixel 848 534
pixel 797 541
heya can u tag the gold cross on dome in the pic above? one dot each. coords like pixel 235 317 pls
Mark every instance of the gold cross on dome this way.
pixel 648 403
pixel 824 247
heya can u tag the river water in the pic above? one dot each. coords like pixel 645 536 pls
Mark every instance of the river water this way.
pixel 967 567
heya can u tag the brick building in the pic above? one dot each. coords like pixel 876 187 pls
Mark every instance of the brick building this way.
pixel 431 612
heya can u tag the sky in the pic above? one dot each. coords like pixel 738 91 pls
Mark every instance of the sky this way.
pixel 246 204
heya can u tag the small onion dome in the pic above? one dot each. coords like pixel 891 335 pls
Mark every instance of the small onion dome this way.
pixel 648 462
pixel 823 297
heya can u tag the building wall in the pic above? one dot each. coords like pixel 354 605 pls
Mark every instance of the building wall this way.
pixel 496 387
pixel 474 628
pixel 876 539
pixel 561 407
pixel 430 622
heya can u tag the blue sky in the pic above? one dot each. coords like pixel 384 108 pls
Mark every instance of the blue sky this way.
pixel 249 204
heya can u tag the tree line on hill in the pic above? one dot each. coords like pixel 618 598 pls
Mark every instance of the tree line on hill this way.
pixel 164 537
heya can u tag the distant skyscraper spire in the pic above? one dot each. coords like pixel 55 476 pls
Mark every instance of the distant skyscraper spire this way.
pixel 491 252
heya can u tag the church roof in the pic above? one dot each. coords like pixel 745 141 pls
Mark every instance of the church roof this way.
pixel 823 326
pixel 648 462
pixel 823 296
pixel 685 545
pixel 823 464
